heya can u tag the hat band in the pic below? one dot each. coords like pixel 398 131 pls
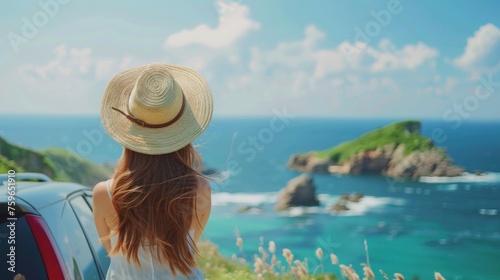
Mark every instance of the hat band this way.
pixel 145 124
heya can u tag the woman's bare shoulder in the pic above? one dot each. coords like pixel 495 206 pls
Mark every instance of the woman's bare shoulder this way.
pixel 100 190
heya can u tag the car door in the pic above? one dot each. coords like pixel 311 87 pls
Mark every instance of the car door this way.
pixel 67 226
pixel 82 206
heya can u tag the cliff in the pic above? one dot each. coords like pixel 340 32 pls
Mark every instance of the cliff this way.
pixel 397 150
pixel 58 164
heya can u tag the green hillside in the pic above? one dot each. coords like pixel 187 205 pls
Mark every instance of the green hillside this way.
pixel 71 167
pixel 405 133
pixel 23 159
pixel 58 164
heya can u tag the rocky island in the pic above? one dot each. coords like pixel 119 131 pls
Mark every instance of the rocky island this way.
pixel 397 150
pixel 299 191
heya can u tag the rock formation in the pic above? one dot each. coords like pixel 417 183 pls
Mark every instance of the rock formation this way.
pixel 300 191
pixel 342 204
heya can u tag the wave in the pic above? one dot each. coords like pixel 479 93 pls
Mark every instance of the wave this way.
pixel 369 203
pixel 489 177
pixel 251 199
pixel 366 204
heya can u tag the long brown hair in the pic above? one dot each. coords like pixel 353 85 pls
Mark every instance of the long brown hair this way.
pixel 154 199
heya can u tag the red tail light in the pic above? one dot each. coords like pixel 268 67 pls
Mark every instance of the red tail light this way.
pixel 52 259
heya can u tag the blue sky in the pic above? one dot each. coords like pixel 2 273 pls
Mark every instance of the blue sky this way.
pixel 354 59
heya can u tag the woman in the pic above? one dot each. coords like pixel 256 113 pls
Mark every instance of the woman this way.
pixel 154 209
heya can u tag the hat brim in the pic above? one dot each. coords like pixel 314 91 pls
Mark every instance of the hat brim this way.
pixel 193 121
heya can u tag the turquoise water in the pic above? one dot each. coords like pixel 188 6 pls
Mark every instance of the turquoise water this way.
pixel 414 228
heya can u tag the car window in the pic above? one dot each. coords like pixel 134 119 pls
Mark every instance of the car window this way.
pixel 86 218
pixel 26 258
pixel 71 240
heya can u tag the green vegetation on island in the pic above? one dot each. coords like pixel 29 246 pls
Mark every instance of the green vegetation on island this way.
pixel 406 133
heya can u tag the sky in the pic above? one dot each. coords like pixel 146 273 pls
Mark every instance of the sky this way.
pixel 333 59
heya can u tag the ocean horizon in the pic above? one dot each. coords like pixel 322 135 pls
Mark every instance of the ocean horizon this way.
pixel 450 225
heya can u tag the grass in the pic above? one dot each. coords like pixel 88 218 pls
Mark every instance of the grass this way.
pixel 405 133
pixel 215 266
pixel 267 266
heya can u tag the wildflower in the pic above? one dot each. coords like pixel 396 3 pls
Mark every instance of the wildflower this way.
pixel 368 272
pixel 273 260
pixel 354 275
pixel 384 274
pixel 345 271
pixel 319 253
pixel 272 247
pixel 438 276
pixel 258 265
pixel 239 242
pixel 288 255
pixel 334 259
pixel 301 267
pixel 399 276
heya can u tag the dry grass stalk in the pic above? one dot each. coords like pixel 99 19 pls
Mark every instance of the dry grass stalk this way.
pixel 258 265
pixel 239 243
pixel 399 276
pixel 345 271
pixel 367 256
pixel 354 275
pixel 319 253
pixel 438 276
pixel 272 247
pixel 288 256
pixel 383 274
pixel 367 271
pixel 301 267
pixel 334 259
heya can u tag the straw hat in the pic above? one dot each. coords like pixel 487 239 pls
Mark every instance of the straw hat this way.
pixel 156 108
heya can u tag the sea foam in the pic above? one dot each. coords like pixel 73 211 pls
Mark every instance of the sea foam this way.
pixel 489 177
pixel 366 204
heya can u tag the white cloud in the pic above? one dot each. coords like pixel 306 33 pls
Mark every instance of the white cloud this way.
pixel 409 57
pixel 343 80
pixel 74 63
pixel 103 67
pixel 349 57
pixel 71 81
pixel 482 52
pixel 234 23
pixel 450 84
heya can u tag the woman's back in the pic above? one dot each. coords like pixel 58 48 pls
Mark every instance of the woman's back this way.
pixel 157 195
pixel 121 269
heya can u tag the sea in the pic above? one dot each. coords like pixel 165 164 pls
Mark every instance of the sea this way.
pixel 446 225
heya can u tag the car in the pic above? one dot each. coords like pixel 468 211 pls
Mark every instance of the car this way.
pixel 47 230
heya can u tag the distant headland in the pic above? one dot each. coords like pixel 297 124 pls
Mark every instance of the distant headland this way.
pixel 397 150
pixel 57 163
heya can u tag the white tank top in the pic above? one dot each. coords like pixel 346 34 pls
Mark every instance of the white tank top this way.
pixel 121 269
